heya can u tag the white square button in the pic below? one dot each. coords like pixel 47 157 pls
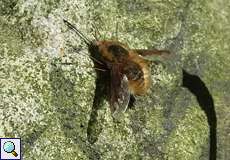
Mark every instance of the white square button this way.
pixel 10 149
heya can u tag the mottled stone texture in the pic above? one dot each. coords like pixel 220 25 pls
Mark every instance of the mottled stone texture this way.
pixel 48 104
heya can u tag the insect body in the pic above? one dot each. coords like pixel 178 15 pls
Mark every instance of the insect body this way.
pixel 118 58
pixel 127 70
pixel 129 73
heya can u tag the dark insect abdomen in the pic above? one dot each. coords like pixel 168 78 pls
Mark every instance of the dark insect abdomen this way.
pixel 133 71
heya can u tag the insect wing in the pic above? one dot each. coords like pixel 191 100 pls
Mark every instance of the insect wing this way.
pixel 123 95
pixel 119 91
pixel 152 54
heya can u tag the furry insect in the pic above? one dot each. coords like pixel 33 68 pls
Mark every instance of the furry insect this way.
pixel 127 70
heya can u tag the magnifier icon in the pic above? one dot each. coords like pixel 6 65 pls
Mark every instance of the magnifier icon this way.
pixel 9 147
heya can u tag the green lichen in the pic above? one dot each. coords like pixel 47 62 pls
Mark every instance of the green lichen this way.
pixel 190 134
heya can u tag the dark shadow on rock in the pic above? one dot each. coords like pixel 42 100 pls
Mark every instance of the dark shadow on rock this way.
pixel 132 101
pixel 196 86
pixel 67 110
pixel 101 92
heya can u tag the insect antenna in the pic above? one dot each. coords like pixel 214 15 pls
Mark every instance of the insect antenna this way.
pixel 86 40
pixel 95 36
pixel 97 32
pixel 117 31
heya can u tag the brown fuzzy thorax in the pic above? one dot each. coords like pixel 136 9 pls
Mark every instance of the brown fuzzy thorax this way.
pixel 131 64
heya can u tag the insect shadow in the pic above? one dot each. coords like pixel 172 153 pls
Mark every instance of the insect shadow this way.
pixel 197 87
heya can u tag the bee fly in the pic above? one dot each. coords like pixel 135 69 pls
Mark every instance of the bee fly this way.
pixel 126 69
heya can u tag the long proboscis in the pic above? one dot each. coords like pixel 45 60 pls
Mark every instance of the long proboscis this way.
pixel 86 40
pixel 81 35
